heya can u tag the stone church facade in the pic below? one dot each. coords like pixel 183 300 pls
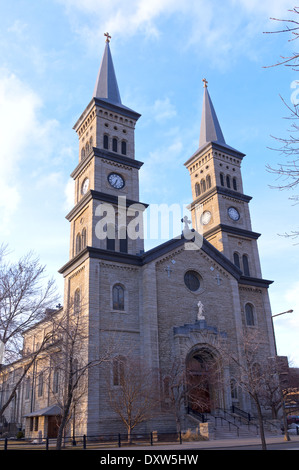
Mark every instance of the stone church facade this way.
pixel 169 305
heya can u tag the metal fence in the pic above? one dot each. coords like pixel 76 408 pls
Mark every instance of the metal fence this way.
pixel 98 442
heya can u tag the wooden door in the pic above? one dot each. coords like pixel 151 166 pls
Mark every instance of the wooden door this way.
pixel 53 425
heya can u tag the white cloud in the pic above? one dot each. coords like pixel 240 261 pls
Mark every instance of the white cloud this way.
pixel 220 30
pixel 69 194
pixel 25 139
pixel 163 110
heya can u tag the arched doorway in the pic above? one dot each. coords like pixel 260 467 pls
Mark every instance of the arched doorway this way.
pixel 202 380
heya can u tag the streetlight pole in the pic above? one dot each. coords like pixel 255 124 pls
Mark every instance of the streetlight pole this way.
pixel 282 313
pixel 285 423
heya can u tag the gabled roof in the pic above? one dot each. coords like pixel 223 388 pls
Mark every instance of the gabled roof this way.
pixel 53 410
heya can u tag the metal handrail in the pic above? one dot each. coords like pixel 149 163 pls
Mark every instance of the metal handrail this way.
pixel 229 423
pixel 242 413
pixel 198 414
pixel 247 423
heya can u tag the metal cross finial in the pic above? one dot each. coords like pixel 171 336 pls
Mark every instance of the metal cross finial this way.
pixel 205 83
pixel 186 221
pixel 108 37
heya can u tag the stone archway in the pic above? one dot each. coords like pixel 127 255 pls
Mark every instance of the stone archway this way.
pixel 202 380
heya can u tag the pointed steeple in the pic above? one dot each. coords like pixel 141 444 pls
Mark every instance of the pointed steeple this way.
pixel 106 87
pixel 210 130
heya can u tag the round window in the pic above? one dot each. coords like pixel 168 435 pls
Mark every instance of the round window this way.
pixel 192 280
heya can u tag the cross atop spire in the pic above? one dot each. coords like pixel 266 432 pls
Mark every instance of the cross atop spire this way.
pixel 108 37
pixel 106 85
pixel 205 83
pixel 106 88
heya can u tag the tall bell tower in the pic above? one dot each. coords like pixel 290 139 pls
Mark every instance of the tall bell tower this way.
pixel 106 178
pixel 220 209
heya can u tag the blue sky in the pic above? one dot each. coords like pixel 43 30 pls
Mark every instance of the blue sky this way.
pixel 50 53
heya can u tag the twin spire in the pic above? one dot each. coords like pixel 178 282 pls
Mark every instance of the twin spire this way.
pixel 106 88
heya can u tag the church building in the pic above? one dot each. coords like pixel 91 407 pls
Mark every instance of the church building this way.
pixel 176 303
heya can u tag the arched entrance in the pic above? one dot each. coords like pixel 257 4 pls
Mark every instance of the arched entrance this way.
pixel 202 380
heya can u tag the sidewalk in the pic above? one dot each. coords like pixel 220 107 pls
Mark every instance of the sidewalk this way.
pixel 214 444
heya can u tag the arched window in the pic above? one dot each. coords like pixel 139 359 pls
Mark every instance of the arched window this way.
pixel 87 148
pixel 197 189
pixel 27 388
pixel 77 301
pixel 123 240
pixel 78 243
pixel 40 386
pixel 235 184
pixel 114 144
pixel 237 260
pixel 111 237
pixel 119 364
pixel 83 238
pixel 202 185
pixel 208 181
pixel 83 153
pixel 118 297
pixel 105 141
pixel 245 265
pixel 249 315
pixel 234 389
pixel 75 370
pixel 221 179
pixel 124 147
pixel 90 142
pixel 228 181
pixel 56 380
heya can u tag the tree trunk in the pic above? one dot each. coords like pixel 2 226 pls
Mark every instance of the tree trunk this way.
pixel 261 424
pixel 66 410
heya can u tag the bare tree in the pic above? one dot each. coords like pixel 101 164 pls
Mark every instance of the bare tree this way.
pixel 255 374
pixel 174 394
pixel 28 361
pixel 71 362
pixel 134 394
pixel 288 171
pixel 25 297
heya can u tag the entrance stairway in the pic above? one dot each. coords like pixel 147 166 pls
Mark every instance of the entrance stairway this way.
pixel 230 425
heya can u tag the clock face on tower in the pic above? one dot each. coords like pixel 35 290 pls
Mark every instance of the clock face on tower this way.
pixel 116 181
pixel 206 217
pixel 85 185
pixel 233 213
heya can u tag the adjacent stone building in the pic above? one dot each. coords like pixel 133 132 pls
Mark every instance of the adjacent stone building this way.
pixel 182 302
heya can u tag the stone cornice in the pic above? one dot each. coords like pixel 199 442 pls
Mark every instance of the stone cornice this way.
pixel 99 196
pixel 105 154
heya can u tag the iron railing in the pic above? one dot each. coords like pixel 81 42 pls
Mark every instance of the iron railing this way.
pixel 103 441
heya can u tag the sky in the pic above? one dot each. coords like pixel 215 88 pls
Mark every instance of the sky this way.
pixel 50 53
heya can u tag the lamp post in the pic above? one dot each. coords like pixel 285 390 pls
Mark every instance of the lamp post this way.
pixel 285 423
pixel 282 313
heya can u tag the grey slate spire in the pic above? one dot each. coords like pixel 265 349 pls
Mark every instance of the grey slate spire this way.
pixel 210 130
pixel 106 87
